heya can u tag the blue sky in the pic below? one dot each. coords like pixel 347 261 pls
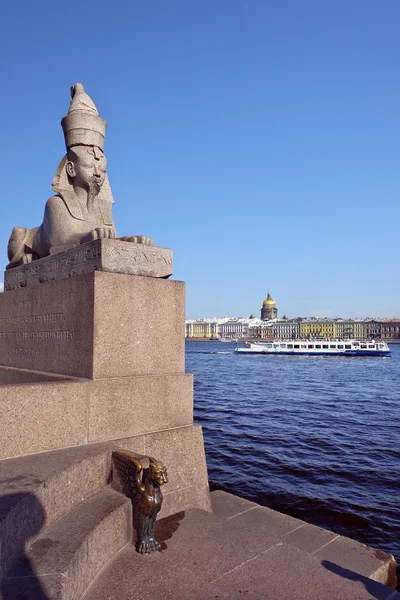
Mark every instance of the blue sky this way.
pixel 258 139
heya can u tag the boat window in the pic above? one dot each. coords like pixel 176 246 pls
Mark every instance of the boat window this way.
pixel 325 346
pixel 381 346
pixel 310 346
pixel 290 346
pixel 276 345
pixel 333 345
pixel 363 345
pixel 356 343
pixel 283 345
pixel 348 346
pixel 370 345
pixel 318 345
pixel 303 346
pixel 269 345
pixel 296 346
pixel 340 346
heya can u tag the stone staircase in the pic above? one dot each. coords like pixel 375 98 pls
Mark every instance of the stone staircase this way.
pixel 60 522
pixel 66 535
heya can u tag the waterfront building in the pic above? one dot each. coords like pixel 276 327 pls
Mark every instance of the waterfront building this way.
pixel 350 328
pixel 391 329
pixel 202 328
pixel 269 310
pixel 261 330
pixel 372 328
pixel 234 328
pixel 286 329
pixel 317 328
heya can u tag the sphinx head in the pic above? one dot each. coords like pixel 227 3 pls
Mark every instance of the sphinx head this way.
pixel 86 168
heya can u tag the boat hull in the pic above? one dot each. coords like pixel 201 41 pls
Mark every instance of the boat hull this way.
pixel 315 353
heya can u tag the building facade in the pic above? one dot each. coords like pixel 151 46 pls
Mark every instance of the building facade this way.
pixel 202 328
pixel 391 329
pixel 373 329
pixel 324 328
pixel 261 330
pixel 287 329
pixel 350 328
pixel 234 328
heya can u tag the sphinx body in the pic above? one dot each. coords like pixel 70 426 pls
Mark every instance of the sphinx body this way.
pixel 81 210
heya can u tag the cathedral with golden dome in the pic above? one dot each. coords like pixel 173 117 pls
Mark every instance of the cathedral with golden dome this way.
pixel 269 310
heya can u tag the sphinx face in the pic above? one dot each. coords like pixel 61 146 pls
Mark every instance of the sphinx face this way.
pixel 87 167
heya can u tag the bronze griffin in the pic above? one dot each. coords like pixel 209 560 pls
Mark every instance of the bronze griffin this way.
pixel 143 487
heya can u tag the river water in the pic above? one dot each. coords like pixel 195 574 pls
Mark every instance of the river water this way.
pixel 317 438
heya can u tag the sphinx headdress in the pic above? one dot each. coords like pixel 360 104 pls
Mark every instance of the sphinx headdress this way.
pixel 82 126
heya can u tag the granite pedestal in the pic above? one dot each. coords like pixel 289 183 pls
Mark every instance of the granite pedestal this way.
pixel 95 325
pixel 99 357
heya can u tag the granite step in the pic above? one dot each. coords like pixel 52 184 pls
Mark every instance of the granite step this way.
pixel 244 550
pixel 38 489
pixel 66 556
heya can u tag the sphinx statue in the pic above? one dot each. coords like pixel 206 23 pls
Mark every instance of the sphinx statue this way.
pixel 81 209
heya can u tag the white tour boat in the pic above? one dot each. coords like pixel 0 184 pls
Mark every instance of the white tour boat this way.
pixel 317 347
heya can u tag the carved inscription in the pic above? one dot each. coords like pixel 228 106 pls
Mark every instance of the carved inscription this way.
pixel 29 319
pixel 26 351
pixel 48 268
pixel 32 331
pixel 153 258
pixel 28 303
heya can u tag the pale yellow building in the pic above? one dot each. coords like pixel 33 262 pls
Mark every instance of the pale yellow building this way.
pixel 202 328
pixel 324 328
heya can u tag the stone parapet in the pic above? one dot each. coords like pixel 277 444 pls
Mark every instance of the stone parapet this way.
pixel 95 325
pixel 109 255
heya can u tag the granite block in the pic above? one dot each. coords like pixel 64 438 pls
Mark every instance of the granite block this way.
pixel 225 505
pixel 368 562
pixel 46 416
pixel 194 496
pixel 310 538
pixel 182 452
pixel 10 375
pixel 110 255
pixel 49 327
pixel 95 325
pixel 139 326
pixel 41 416
pixel 125 407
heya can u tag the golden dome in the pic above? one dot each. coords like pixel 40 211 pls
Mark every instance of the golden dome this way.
pixel 269 301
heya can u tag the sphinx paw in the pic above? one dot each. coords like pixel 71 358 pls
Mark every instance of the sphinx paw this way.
pixel 138 239
pixel 27 258
pixel 99 233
